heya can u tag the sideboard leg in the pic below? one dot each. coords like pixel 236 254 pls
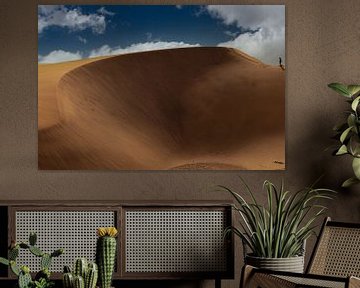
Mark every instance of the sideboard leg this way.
pixel 217 283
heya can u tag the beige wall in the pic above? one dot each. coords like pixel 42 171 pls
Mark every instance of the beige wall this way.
pixel 323 46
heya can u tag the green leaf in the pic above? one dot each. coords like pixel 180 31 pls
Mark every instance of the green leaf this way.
pixel 340 88
pixel 355 103
pixel 14 268
pixel 4 261
pixel 13 253
pixel 356 167
pixel 45 261
pixel 354 145
pixel 349 182
pixel 342 150
pixel 345 134
pixel 36 251
pixel 353 89
pixel 351 120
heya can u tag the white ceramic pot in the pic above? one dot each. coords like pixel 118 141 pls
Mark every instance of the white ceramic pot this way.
pixel 291 264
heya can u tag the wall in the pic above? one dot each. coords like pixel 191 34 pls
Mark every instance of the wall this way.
pixel 323 41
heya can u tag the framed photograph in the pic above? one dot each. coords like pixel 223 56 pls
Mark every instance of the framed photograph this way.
pixel 161 87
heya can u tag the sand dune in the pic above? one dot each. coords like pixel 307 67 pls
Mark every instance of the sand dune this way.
pixel 190 108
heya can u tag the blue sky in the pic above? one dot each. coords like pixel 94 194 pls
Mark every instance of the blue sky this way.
pixel 67 32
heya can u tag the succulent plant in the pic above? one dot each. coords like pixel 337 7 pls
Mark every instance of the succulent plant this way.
pixel 85 275
pixel 106 254
pixel 42 278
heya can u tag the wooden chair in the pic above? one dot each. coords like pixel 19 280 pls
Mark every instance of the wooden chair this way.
pixel 335 262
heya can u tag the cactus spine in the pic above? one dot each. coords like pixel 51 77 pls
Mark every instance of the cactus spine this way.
pixel 106 254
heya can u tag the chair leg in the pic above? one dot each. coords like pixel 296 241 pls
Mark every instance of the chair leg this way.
pixel 246 274
pixel 250 278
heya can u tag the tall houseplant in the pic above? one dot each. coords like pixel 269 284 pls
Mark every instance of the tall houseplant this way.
pixel 276 233
pixel 348 132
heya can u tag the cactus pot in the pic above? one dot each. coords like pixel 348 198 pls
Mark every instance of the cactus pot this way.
pixel 291 264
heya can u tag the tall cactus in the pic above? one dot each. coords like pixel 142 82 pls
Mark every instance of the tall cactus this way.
pixel 106 254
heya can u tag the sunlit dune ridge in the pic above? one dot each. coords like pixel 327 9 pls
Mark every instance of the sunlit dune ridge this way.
pixel 189 108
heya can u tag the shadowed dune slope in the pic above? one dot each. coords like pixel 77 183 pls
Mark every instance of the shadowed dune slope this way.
pixel 190 108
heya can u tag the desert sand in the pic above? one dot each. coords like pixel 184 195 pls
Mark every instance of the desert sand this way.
pixel 186 109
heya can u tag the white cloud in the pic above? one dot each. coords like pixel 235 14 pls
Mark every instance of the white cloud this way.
pixel 264 45
pixel 268 42
pixel 106 50
pixel 59 56
pixel 104 11
pixel 73 19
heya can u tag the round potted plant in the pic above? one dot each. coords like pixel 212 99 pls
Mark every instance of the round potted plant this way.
pixel 275 234
pixel 348 132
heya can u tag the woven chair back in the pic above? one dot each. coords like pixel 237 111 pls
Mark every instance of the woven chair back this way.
pixel 337 252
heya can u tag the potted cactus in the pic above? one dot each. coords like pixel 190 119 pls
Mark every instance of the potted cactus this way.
pixel 42 278
pixel 106 254
pixel 84 275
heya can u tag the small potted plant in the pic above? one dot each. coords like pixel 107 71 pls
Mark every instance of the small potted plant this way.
pixel 348 132
pixel 276 233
